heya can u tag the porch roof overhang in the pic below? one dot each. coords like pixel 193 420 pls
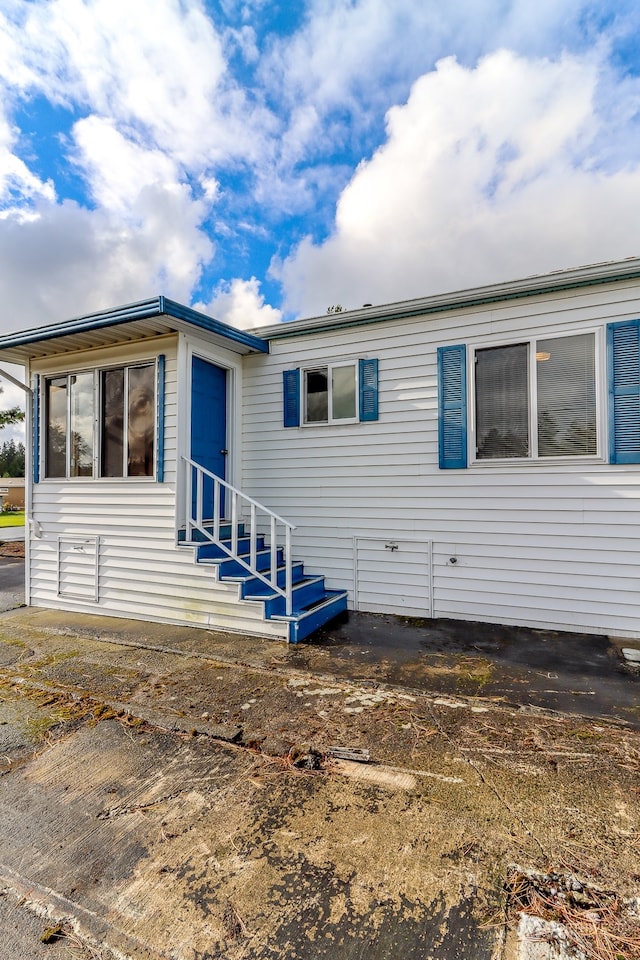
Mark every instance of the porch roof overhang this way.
pixel 133 322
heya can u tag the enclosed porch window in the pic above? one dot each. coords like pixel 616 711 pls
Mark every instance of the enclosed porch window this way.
pixel 120 441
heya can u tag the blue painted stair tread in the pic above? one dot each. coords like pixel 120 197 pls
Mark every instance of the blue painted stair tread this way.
pixel 313 604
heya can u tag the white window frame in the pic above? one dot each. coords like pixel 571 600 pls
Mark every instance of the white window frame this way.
pixel 97 421
pixel 329 367
pixel 66 375
pixel 531 341
pixel 125 431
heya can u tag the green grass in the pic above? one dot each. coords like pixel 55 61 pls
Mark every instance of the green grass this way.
pixel 12 519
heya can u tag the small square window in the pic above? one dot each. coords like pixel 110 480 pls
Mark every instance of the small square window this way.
pixel 330 394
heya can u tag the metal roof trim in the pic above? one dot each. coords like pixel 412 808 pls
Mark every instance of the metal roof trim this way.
pixel 155 307
pixel 195 318
pixel 610 272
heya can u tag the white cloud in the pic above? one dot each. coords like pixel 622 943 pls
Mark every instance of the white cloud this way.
pixel 156 67
pixel 356 57
pixel 144 236
pixel 160 111
pixel 486 174
pixel 70 260
pixel 240 304
pixel 118 169
pixel 18 185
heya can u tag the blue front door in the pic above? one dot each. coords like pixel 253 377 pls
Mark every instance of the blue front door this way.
pixel 208 427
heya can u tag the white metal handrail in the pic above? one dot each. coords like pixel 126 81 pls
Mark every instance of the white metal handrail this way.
pixel 241 504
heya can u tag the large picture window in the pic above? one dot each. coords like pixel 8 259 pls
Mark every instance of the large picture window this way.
pixel 123 435
pixel 537 399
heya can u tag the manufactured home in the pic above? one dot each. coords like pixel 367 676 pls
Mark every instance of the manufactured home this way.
pixel 474 455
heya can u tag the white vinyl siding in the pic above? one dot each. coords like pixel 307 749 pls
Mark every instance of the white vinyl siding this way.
pixel 547 543
pixel 392 576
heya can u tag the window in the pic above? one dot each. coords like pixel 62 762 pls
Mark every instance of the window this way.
pixel 332 393
pixel 532 400
pixel 69 426
pixel 124 431
pixel 502 402
pixel 127 418
pixel 548 411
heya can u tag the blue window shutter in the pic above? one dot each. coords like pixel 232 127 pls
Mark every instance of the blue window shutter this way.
pixel 368 383
pixel 623 374
pixel 35 425
pixel 160 419
pixel 452 407
pixel 291 397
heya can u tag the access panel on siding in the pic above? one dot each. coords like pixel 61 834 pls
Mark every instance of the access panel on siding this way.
pixel 78 567
pixel 393 576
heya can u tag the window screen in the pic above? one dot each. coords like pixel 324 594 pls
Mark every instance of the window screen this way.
pixel 565 373
pixel 502 401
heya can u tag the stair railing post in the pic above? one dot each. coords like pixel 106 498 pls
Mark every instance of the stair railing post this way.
pixel 273 575
pixel 288 571
pixel 199 482
pixel 216 509
pixel 189 500
pixel 234 521
pixel 253 533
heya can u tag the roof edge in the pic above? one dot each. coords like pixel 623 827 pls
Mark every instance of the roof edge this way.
pixel 575 278
pixel 174 309
pixel 142 309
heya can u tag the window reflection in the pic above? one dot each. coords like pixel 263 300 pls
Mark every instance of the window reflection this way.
pixel 56 429
pixel 81 394
pixel 343 392
pixel 317 396
pixel 140 432
pixel 112 415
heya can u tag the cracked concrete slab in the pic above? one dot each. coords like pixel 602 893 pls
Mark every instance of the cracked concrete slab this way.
pixel 158 807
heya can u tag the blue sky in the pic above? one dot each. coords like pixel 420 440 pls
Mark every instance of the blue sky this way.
pixel 265 160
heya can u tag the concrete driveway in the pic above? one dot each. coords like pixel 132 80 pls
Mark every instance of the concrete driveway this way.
pixel 177 793
pixel 10 534
pixel 11 582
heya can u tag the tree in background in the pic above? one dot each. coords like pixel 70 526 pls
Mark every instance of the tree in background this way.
pixel 14 415
pixel 12 459
pixel 11 453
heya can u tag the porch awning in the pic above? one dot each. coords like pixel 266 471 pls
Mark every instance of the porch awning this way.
pixel 135 321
